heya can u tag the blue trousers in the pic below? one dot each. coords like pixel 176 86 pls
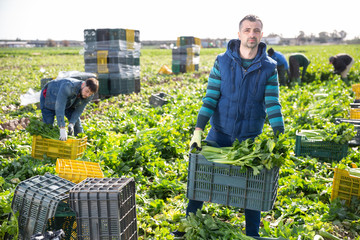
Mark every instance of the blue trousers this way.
pixel 252 217
pixel 49 116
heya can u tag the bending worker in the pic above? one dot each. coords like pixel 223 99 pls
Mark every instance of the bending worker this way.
pixel 297 60
pixel 342 64
pixel 242 88
pixel 66 97
pixel 282 65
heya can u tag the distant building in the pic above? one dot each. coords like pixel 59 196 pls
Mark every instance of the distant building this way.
pixel 272 40
pixel 15 44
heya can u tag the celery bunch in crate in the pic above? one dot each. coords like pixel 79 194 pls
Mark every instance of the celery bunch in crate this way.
pixel 263 151
pixel 337 133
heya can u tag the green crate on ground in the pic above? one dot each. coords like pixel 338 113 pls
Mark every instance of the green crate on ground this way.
pixel 323 150
pixel 231 185
pixel 137 84
pixel 41 202
pixel 104 84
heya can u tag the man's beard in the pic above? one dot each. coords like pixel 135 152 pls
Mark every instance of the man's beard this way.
pixel 81 96
pixel 252 44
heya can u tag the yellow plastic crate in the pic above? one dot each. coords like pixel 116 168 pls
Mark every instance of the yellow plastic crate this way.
pixel 345 186
pixel 69 149
pixel 102 57
pixel 354 113
pixel 198 41
pixel 76 171
pixel 130 38
pixel 356 90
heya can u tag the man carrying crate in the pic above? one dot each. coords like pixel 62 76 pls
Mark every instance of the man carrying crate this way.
pixel 242 87
pixel 66 97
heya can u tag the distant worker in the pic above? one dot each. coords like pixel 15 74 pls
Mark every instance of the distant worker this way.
pixel 282 65
pixel 342 63
pixel 66 97
pixel 297 60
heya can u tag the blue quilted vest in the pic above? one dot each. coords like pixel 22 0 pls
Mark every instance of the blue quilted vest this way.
pixel 240 112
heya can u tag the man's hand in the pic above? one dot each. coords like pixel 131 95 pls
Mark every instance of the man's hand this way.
pixel 196 139
pixel 71 129
pixel 63 135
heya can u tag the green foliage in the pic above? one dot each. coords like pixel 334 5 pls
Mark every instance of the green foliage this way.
pixel 263 151
pixel 39 128
pixel 203 227
pixel 130 138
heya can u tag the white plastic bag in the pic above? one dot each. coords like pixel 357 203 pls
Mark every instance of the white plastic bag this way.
pixel 30 97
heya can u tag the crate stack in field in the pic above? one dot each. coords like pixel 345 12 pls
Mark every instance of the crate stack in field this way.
pixel 95 208
pixel 114 55
pixel 354 115
pixel 186 55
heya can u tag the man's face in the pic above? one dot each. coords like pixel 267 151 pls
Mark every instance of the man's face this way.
pixel 85 92
pixel 250 34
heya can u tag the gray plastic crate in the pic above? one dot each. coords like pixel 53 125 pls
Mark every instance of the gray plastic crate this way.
pixel 105 208
pixel 231 185
pixel 40 199
pixel 159 99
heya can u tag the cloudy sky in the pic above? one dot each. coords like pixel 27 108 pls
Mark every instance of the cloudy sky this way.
pixel 166 19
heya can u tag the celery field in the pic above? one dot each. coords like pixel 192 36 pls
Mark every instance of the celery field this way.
pixel 130 138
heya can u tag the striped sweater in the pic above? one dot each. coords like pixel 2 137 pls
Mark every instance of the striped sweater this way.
pixel 272 104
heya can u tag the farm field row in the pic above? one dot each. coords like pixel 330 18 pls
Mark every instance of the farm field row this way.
pixel 130 138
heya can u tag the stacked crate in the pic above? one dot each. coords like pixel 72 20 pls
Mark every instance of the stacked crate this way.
pixel 354 115
pixel 76 171
pixel 105 208
pixel 95 208
pixel 41 203
pixel 186 56
pixel 114 55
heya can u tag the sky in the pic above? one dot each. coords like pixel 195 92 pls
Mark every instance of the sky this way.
pixel 167 19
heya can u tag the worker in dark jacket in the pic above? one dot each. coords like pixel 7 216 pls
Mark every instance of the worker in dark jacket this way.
pixel 342 64
pixel 297 60
pixel 281 66
pixel 66 97
pixel 242 89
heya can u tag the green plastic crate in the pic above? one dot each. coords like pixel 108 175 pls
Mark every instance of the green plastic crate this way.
pixel 323 150
pixel 231 185
pixel 104 84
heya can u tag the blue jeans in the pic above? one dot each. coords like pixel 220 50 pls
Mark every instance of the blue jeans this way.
pixel 252 217
pixel 49 116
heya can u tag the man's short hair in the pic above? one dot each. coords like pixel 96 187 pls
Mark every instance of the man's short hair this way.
pixel 271 51
pixel 251 18
pixel 93 84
